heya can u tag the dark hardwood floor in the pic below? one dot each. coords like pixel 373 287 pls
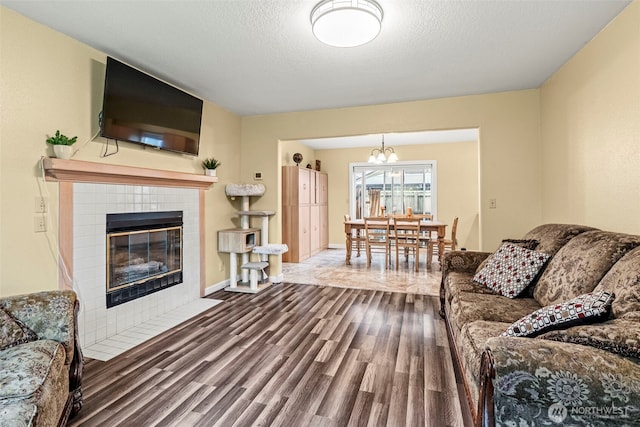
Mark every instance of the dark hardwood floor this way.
pixel 293 355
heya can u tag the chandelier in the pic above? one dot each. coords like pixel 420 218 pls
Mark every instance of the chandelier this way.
pixel 346 23
pixel 379 155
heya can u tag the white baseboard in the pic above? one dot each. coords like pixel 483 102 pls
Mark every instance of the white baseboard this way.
pixel 217 287
pixel 336 245
pixel 225 283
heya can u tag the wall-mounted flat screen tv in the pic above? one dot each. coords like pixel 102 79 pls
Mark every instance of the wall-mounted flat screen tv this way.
pixel 141 109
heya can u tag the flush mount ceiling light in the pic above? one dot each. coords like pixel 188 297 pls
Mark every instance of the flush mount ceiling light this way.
pixel 346 23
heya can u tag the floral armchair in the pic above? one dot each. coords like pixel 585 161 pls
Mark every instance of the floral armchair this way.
pixel 40 359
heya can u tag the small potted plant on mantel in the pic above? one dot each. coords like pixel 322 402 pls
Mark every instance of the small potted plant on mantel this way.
pixel 62 145
pixel 210 165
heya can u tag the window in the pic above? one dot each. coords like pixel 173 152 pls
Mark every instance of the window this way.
pixel 395 187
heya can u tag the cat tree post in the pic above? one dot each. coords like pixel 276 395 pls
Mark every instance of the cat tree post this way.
pixel 246 240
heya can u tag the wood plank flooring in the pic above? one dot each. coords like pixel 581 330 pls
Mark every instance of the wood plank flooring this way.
pixel 293 355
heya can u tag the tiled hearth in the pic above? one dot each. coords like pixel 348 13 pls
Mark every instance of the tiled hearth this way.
pixel 91 204
pixel 103 332
pixel 128 338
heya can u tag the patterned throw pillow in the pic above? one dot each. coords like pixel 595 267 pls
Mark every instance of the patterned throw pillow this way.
pixel 525 243
pixel 586 308
pixel 510 269
pixel 13 331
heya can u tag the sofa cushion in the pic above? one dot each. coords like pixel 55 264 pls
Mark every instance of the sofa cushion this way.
pixel 35 373
pixel 551 237
pixel 471 345
pixel 623 279
pixel 590 307
pixel 456 283
pixel 17 414
pixel 467 307
pixel 23 369
pixel 49 314
pixel 619 336
pixel 13 332
pixel 511 269
pixel 579 265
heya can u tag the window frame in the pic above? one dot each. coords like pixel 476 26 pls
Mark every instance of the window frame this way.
pixel 405 164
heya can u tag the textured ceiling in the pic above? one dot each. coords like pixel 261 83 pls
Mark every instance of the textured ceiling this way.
pixel 260 57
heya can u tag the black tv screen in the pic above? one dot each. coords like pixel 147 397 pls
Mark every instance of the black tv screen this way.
pixel 141 109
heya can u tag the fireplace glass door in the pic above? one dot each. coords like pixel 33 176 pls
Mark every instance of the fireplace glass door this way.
pixel 138 256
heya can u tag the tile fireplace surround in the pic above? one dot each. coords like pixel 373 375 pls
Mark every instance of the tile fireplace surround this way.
pixel 84 206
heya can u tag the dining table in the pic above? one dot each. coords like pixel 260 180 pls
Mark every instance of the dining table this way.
pixel 427 226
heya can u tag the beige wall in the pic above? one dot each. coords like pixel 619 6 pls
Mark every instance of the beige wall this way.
pixel 509 149
pixel 48 82
pixel 289 148
pixel 591 131
pixel 457 180
pixel 576 140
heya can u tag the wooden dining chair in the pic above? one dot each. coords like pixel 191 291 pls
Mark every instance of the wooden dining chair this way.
pixel 357 237
pixel 425 236
pixel 377 237
pixel 407 238
pixel 449 244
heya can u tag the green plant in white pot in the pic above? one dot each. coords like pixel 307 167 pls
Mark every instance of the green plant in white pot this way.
pixel 210 165
pixel 62 145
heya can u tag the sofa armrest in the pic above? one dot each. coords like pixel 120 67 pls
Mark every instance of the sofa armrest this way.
pixel 528 381
pixel 458 261
pixel 621 336
pixel 50 314
pixel 462 261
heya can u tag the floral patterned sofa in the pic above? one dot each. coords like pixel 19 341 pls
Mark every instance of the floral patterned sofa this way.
pixel 582 373
pixel 40 359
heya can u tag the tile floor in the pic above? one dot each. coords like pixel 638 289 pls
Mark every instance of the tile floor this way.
pixel 125 340
pixel 328 268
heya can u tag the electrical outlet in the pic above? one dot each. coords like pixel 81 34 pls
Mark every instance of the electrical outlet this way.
pixel 257 176
pixel 492 203
pixel 39 223
pixel 221 266
pixel 40 205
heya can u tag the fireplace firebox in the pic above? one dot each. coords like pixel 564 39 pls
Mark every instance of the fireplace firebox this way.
pixel 144 254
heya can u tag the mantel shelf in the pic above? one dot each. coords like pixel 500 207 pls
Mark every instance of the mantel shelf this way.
pixel 82 171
